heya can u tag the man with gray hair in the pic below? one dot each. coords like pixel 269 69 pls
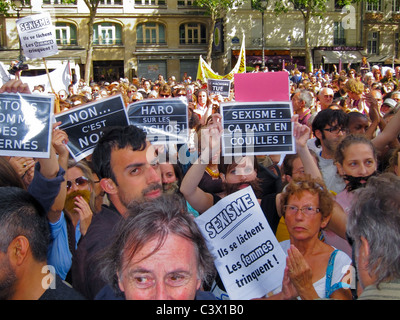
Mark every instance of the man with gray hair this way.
pixel 158 253
pixel 373 227
pixel 302 100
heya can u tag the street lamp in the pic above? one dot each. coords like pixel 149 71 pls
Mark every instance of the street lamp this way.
pixel 18 6
pixel 263 6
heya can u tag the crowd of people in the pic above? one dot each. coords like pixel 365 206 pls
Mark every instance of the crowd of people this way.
pixel 120 224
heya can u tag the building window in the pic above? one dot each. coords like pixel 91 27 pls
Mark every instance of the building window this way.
pixel 374 7
pixel 66 34
pixel 396 6
pixel 150 33
pixel 373 43
pixel 339 38
pixel 150 2
pixel 185 3
pixel 192 33
pixel 107 34
pixel 110 2
pixel 51 2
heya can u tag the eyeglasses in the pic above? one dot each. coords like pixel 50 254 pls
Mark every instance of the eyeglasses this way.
pixel 335 130
pixel 80 181
pixel 307 210
pixel 164 95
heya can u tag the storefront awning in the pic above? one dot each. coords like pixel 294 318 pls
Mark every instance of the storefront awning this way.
pixel 330 57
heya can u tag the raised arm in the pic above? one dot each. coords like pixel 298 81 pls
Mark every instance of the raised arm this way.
pixel 59 141
pixel 197 198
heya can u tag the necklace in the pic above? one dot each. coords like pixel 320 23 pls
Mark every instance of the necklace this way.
pixel 212 173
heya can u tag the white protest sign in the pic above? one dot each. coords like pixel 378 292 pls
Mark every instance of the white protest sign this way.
pixel 248 257
pixel 37 35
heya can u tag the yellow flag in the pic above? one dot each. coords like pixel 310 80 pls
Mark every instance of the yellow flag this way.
pixel 205 72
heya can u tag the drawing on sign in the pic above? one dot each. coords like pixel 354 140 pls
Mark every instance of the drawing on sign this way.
pixel 257 128
pixel 84 125
pixel 163 120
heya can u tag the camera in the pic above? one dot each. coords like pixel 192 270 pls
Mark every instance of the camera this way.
pixel 17 66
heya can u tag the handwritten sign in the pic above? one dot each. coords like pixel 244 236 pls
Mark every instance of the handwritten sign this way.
pixel 25 125
pixel 85 124
pixel 262 86
pixel 164 120
pixel 37 35
pixel 221 87
pixel 248 257
pixel 257 128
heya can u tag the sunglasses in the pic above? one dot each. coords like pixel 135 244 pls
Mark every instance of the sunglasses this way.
pixel 80 181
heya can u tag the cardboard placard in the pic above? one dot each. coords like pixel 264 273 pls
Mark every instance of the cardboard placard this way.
pixel 164 120
pixel 257 128
pixel 85 124
pixel 262 86
pixel 37 35
pixel 25 125
pixel 248 257
pixel 221 87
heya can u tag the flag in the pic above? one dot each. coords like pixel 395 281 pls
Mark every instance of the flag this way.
pixel 205 72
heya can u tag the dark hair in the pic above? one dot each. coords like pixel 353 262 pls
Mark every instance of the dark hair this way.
pixel 348 141
pixel 155 219
pixel 22 215
pixel 287 164
pixel 115 138
pixel 8 176
pixel 329 117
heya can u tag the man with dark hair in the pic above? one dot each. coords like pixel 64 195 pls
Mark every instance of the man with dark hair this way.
pixel 329 127
pixel 24 239
pixel 158 253
pixel 128 170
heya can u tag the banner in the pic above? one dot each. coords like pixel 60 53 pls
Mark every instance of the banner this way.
pixel 37 35
pixel 257 128
pixel 205 72
pixel 25 125
pixel 248 257
pixel 85 124
pixel 164 120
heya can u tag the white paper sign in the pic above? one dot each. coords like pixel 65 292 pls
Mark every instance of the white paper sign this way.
pixel 37 35
pixel 248 257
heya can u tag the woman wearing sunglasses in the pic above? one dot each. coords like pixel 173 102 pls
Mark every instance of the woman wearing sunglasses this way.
pixel 77 198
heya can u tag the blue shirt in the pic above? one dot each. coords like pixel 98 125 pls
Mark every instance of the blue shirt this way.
pixel 59 255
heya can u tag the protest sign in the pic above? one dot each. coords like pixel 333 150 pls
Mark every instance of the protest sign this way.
pixel 164 120
pixel 85 124
pixel 262 86
pixel 221 87
pixel 257 128
pixel 248 257
pixel 37 35
pixel 25 125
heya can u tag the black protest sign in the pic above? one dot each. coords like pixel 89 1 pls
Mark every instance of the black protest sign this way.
pixel 25 125
pixel 257 128
pixel 221 87
pixel 164 120
pixel 85 124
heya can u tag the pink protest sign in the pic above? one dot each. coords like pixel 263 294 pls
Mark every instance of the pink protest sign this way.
pixel 262 86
